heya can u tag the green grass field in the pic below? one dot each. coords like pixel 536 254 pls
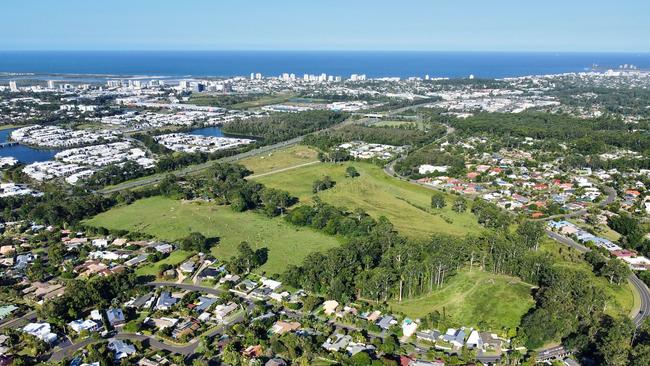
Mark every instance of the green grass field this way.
pixel 389 123
pixel 406 205
pixel 175 258
pixel 263 101
pixel 473 298
pixel 281 159
pixel 171 220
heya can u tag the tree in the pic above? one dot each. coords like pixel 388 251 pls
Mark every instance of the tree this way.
pixel 613 341
pixel 438 200
pixel 531 233
pixel 460 205
pixel 351 172
pixel 616 271
pixel 276 201
pixel 323 184
pixel 197 242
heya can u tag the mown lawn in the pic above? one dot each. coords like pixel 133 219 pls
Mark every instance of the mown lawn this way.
pixel 281 159
pixel 169 219
pixel 406 205
pixel 175 258
pixel 475 298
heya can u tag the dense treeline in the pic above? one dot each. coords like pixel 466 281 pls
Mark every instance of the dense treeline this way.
pixel 116 174
pixel 588 136
pixel 381 264
pixel 55 207
pixel 285 126
pixel 150 143
pixel 628 101
pixel 377 264
pixel 226 184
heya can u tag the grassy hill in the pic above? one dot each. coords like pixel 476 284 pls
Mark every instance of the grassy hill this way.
pixel 475 298
pixel 406 205
pixel 169 219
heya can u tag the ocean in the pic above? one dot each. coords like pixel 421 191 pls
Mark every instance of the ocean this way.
pixel 179 64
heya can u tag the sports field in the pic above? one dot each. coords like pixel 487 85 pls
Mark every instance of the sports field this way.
pixel 169 219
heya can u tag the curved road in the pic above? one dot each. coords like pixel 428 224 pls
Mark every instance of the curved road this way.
pixel 642 289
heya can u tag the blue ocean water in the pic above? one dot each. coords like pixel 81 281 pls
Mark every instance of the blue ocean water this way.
pixel 24 154
pixel 373 64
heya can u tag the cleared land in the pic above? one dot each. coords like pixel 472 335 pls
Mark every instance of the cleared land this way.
pixel 263 101
pixel 281 159
pixel 475 298
pixel 169 219
pixel 175 258
pixel 406 205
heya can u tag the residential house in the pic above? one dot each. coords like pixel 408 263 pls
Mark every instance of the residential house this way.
pixel 428 335
pixel 281 327
pixel 456 337
pixel 164 248
pixel 81 325
pixel 121 348
pixel 42 331
pixel 329 306
pixel 221 312
pixel 165 301
pixel 337 342
pixel 386 322
pixel 115 317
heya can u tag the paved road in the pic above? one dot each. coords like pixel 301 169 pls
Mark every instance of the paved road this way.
pixel 19 322
pixel 185 349
pixel 153 179
pixel 187 286
pixel 641 288
pixel 611 196
pixel 552 353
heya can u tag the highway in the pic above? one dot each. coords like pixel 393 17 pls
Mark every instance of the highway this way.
pixel 156 178
pixel 153 179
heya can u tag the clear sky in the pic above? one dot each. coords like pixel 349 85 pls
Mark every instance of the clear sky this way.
pixel 445 25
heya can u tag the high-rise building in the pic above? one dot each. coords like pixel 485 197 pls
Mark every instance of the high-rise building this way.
pixel 50 84
pixel 12 86
pixel 183 84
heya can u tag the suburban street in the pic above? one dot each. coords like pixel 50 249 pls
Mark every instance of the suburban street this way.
pixel 185 349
